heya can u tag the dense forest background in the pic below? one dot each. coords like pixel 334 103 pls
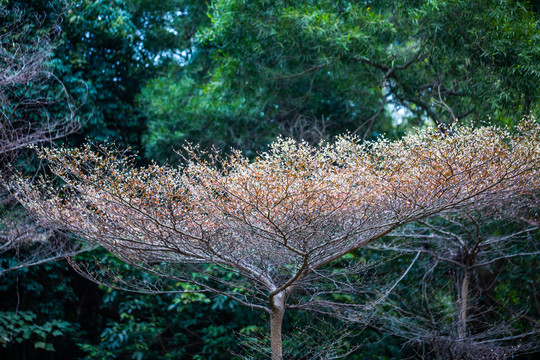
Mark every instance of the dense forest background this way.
pixel 153 75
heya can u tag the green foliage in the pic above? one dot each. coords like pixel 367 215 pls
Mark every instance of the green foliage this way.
pixel 426 305
pixel 190 117
pixel 106 50
pixel 490 63
pixel 38 312
pixel 312 69
pixel 20 326
pixel 167 326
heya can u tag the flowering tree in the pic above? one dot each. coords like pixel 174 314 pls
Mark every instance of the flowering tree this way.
pixel 276 221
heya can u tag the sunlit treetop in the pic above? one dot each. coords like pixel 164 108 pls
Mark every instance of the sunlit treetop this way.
pixel 289 211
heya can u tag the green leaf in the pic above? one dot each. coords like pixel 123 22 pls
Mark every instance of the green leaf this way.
pixel 40 345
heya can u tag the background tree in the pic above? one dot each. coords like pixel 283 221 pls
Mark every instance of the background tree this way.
pixel 29 92
pixel 61 62
pixel 105 51
pixel 462 308
pixel 311 70
pixel 275 221
pixel 35 108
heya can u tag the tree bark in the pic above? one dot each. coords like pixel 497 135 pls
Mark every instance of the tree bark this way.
pixel 277 305
pixel 462 330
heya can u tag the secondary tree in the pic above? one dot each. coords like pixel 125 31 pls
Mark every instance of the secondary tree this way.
pixel 275 222
pixel 458 305
pixel 30 93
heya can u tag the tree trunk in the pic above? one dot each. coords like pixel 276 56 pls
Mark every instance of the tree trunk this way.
pixel 462 330
pixel 277 305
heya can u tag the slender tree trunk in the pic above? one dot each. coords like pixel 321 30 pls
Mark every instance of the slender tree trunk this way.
pixel 277 305
pixel 462 330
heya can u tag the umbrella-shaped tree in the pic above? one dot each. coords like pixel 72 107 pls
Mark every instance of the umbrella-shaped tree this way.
pixel 277 220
